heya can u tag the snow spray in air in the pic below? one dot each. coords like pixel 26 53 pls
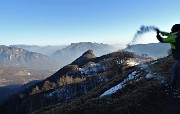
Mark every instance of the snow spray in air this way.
pixel 143 29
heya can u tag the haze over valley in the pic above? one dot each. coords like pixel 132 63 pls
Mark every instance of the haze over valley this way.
pixel 88 57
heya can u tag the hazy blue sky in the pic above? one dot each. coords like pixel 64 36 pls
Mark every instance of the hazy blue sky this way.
pixel 54 22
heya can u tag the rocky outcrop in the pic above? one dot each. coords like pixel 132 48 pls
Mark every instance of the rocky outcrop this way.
pixel 84 58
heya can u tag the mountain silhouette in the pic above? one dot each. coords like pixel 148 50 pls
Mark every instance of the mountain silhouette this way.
pixel 18 57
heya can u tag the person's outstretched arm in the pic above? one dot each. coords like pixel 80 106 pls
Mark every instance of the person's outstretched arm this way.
pixel 170 39
pixel 165 33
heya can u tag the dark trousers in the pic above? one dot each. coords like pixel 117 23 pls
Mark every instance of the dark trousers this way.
pixel 175 69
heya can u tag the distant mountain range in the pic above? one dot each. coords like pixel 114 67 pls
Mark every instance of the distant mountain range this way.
pixel 64 55
pixel 55 57
pixel 45 50
pixel 155 50
pixel 73 51
pixel 88 77
pixel 18 57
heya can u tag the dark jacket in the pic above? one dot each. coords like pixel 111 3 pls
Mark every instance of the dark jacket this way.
pixel 174 40
pixel 176 52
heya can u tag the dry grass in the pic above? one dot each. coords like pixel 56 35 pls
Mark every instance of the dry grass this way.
pixel 142 97
pixel 146 96
pixel 164 68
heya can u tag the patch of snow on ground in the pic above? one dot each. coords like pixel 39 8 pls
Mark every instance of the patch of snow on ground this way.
pixel 29 73
pixel 112 90
pixel 52 93
pixel 143 66
pixel 149 76
pixel 132 63
pixel 58 91
pixel 154 62
pixel 92 68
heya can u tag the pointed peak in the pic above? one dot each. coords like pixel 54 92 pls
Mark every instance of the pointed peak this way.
pixel 88 55
pixel 89 52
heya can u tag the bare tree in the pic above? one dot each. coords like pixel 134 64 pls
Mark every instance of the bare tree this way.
pixel 118 60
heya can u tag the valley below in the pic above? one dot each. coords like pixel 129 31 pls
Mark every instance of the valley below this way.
pixel 14 80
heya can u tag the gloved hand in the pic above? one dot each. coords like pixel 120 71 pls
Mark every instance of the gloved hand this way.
pixel 159 38
pixel 158 31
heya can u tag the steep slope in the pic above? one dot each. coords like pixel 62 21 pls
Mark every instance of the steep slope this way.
pixel 155 50
pixel 17 57
pixel 84 58
pixel 75 66
pixel 70 82
pixel 141 90
pixel 73 51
